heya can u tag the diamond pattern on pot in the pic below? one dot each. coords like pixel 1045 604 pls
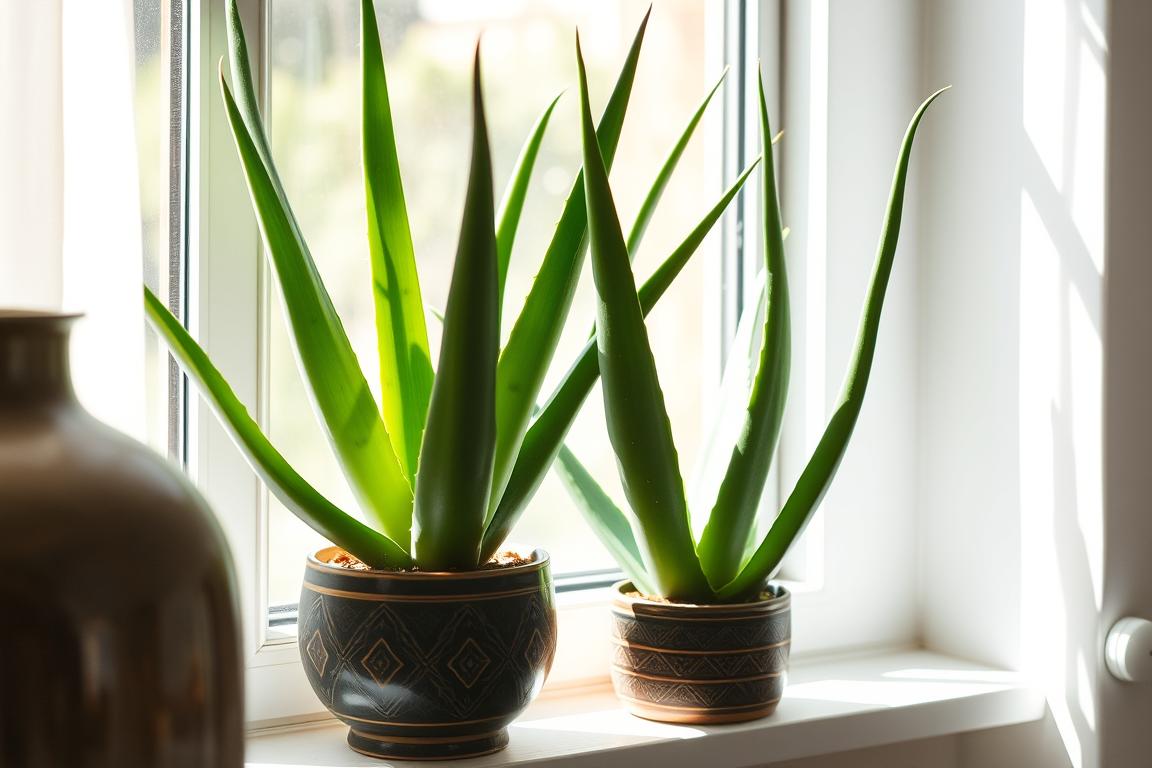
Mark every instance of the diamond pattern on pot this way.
pixel 471 655
pixel 381 663
pixel 536 648
pixel 426 661
pixel 317 653
pixel 469 663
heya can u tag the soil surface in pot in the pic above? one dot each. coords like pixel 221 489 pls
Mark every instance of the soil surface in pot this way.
pixel 505 559
pixel 765 595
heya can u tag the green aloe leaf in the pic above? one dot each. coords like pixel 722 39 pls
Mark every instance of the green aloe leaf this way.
pixel 604 518
pixel 401 334
pixel 536 332
pixel 729 417
pixel 547 433
pixel 825 460
pixel 508 219
pixel 664 175
pixel 656 191
pixel 637 420
pixel 340 394
pixel 285 483
pixel 721 546
pixel 246 100
pixel 727 421
pixel 455 474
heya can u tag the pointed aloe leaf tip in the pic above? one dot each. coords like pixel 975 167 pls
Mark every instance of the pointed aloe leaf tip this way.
pixel 455 475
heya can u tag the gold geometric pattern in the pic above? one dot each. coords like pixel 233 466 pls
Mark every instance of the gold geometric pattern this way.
pixel 317 653
pixel 381 663
pixel 701 666
pixel 435 662
pixel 536 648
pixel 469 663
pixel 727 665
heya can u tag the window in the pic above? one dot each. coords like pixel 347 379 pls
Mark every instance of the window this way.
pixel 307 54
pixel 159 100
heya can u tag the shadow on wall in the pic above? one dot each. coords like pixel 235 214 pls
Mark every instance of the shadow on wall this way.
pixel 1014 235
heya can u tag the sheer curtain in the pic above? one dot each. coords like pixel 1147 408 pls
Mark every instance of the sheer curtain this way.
pixel 31 154
pixel 70 212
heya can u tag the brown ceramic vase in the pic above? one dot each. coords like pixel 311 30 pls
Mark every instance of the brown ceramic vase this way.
pixel 427 665
pixel 120 644
pixel 700 664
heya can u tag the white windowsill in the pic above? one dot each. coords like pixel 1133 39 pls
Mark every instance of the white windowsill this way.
pixel 830 705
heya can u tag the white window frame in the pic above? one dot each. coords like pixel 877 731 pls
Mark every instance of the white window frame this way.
pixel 225 270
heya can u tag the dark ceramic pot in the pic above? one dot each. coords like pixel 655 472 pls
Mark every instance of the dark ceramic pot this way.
pixel 700 663
pixel 120 644
pixel 424 665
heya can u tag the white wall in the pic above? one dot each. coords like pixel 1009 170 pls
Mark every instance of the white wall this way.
pixel 1033 545
pixel 1030 544
pixel 838 153
pixel 70 231
pixel 31 155
pixel 1011 398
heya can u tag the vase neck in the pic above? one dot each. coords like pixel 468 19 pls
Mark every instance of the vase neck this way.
pixel 34 366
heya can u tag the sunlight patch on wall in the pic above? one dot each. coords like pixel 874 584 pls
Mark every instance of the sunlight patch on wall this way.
pixel 1045 35
pixel 1045 610
pixel 1085 362
pixel 1086 190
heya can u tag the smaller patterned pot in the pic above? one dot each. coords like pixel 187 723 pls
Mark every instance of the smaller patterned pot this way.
pixel 700 663
pixel 427 665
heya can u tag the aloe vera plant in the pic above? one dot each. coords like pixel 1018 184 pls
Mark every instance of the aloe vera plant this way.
pixel 655 545
pixel 444 465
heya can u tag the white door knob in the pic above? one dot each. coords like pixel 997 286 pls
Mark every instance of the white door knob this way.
pixel 1128 650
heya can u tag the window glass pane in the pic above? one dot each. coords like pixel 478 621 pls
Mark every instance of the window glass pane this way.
pixel 158 119
pixel 528 57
